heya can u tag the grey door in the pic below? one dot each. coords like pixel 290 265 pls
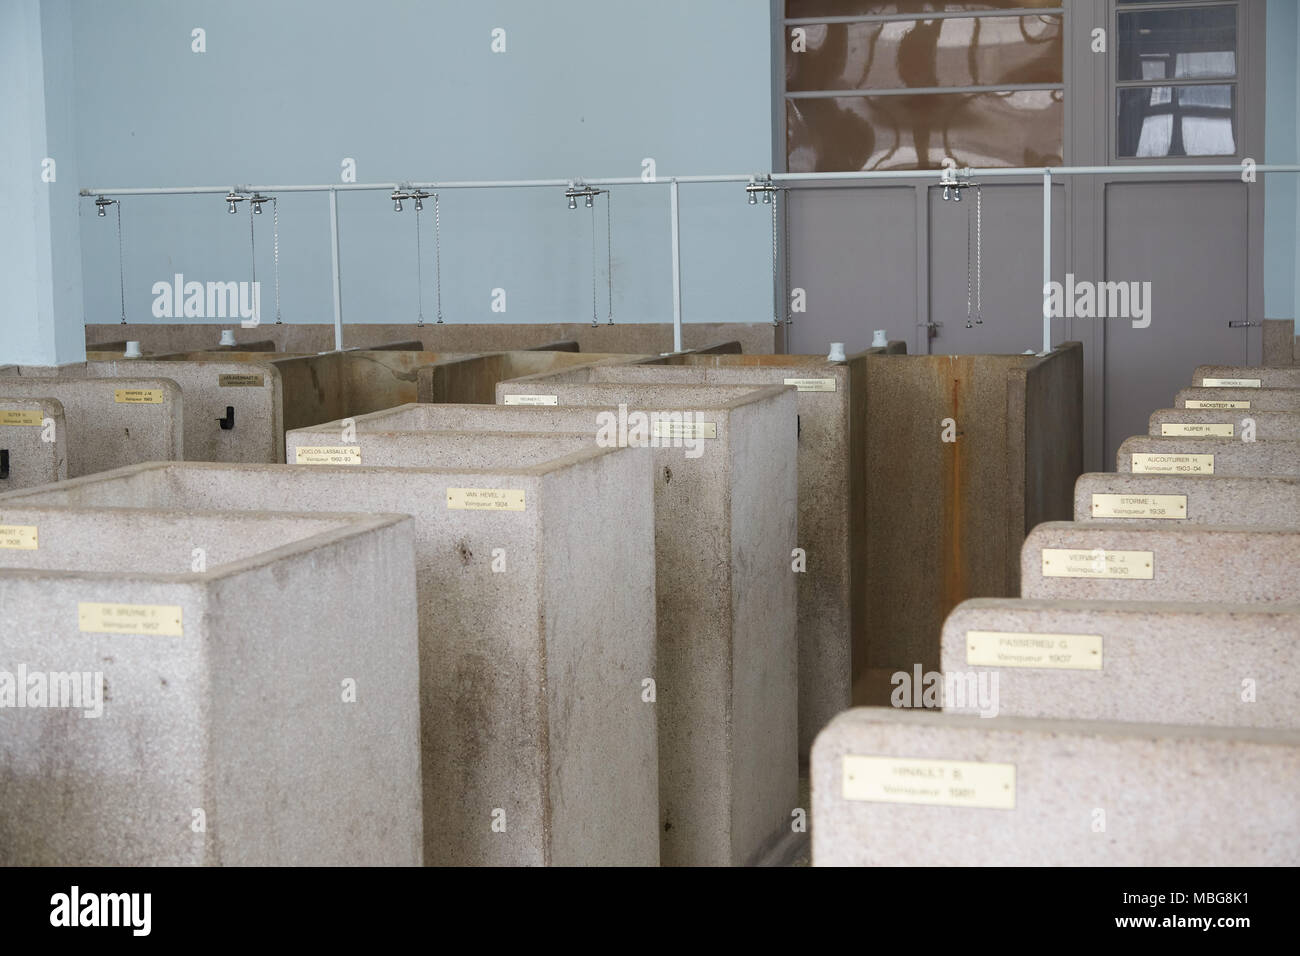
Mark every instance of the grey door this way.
pixel 854 253
pixel 1190 241
pixel 1012 260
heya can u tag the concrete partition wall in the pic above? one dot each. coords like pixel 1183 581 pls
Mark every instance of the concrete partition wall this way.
pixel 33 442
pixel 218 692
pixel 1280 342
pixel 915 788
pixel 1224 423
pixel 1126 498
pixel 318 388
pixel 218 392
pixel 726 525
pixel 449 448
pixel 111 421
pixel 1239 400
pixel 474 379
pixel 1224 457
pixel 531 675
pixel 1245 376
pixel 321 388
pixel 1150 561
pixel 964 454
pixel 832 505
pixel 633 337
pixel 1235 665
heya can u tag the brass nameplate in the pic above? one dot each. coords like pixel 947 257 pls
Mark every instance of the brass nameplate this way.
pixel 12 416
pixel 1139 506
pixel 812 384
pixel 1230 382
pixel 939 783
pixel 1202 429
pixel 327 455
pixel 240 381
pixel 138 396
pixel 1075 652
pixel 664 429
pixel 485 499
pixel 156 619
pixel 532 399
pixel 1205 403
pixel 1098 563
pixel 18 537
pixel 1149 464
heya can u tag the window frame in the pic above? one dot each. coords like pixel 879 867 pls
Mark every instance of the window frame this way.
pixel 784 95
pixel 1239 82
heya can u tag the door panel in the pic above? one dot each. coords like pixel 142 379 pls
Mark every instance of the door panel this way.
pixel 1012 268
pixel 1189 241
pixel 853 251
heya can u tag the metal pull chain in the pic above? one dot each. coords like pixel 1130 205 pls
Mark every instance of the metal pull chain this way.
pixel 121 269
pixel 785 226
pixel 419 271
pixel 979 254
pixel 776 272
pixel 969 224
pixel 592 206
pixel 437 254
pixel 609 251
pixel 275 234
pixel 252 248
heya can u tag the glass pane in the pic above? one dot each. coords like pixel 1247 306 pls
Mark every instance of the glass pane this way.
pixel 989 51
pixel 851 133
pixel 1177 121
pixel 1178 44
pixel 795 9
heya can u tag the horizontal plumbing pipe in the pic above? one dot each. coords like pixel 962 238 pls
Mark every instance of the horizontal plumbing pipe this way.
pixel 793 178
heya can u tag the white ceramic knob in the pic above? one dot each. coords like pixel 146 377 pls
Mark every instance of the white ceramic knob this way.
pixel 837 352
pixel 879 339
pixel 227 336
pixel 132 350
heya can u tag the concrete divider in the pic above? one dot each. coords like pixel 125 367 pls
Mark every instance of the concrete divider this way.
pixel 234 410
pixel 1223 457
pixel 1245 376
pixel 633 337
pixel 186 680
pixel 1126 498
pixel 473 379
pixel 1224 423
pixel 110 422
pixel 914 788
pixel 964 454
pixel 1234 665
pixel 1239 400
pixel 33 442
pixel 832 500
pixel 726 493
pixel 536 592
pixel 1099 561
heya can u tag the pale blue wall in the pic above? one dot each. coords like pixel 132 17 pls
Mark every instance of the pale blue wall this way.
pixel 288 88
pixel 40 256
pixel 1282 212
